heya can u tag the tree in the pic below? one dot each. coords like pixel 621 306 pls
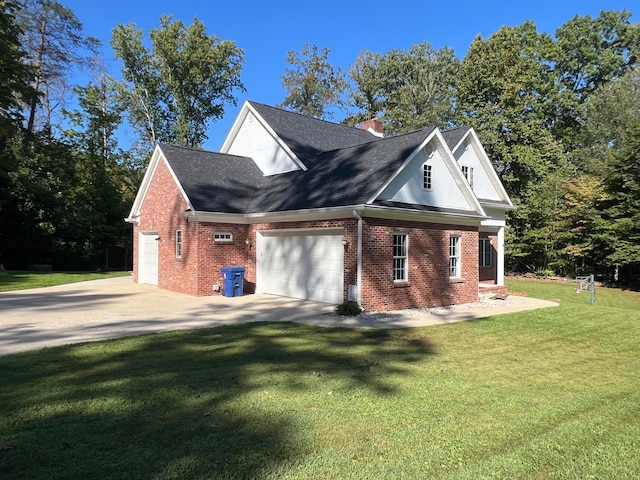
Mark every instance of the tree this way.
pixel 101 195
pixel 408 90
pixel 588 54
pixel 175 88
pixel 503 91
pixel 15 88
pixel 55 45
pixel 612 154
pixel 314 87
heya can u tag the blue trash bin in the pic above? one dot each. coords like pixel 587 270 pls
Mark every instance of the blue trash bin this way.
pixel 232 280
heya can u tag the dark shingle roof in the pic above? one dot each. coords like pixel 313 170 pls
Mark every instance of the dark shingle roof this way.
pixel 308 136
pixel 345 166
pixel 453 136
pixel 215 182
pixel 348 176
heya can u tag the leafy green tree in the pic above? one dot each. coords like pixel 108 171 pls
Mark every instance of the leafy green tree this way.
pixel 406 89
pixel 503 90
pixel 100 195
pixel 15 87
pixel 55 44
pixel 588 53
pixel 314 87
pixel 612 153
pixel 185 79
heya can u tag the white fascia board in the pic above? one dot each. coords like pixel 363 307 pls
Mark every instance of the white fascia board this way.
pixel 458 177
pixel 156 158
pixel 134 214
pixel 332 213
pixel 247 109
pixel 396 213
pixel 402 167
pixel 493 175
pixel 452 165
pixel 242 115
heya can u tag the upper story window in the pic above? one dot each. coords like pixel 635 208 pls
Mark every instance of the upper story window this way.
pixel 468 174
pixel 222 237
pixel 400 257
pixel 426 176
pixel 485 252
pixel 178 243
pixel 454 256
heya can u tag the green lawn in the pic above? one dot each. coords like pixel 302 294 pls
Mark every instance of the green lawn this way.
pixel 21 280
pixel 551 393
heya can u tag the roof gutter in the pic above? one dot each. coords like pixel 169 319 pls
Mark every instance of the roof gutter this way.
pixel 376 211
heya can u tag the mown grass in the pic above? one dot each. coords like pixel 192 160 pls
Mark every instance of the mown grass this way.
pixel 550 393
pixel 22 280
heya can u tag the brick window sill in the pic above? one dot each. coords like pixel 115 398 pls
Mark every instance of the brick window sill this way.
pixel 401 284
pixel 456 280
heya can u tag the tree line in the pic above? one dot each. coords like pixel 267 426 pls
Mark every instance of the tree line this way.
pixel 558 116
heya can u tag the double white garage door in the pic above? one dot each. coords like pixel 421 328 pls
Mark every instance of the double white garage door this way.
pixel 307 265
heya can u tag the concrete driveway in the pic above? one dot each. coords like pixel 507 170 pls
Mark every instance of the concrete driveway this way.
pixel 116 307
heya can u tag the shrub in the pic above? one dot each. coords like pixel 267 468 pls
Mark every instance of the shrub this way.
pixel 350 309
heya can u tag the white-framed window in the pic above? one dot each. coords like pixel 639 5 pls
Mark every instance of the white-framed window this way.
pixel 400 257
pixel 426 176
pixel 468 174
pixel 222 237
pixel 486 253
pixel 454 256
pixel 178 243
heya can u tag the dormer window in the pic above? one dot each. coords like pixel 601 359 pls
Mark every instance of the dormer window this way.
pixel 426 176
pixel 468 174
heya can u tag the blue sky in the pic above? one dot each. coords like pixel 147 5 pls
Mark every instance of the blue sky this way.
pixel 266 31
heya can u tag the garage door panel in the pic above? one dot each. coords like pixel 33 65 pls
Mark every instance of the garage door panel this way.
pixel 303 266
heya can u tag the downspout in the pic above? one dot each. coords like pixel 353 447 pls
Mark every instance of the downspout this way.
pixel 359 263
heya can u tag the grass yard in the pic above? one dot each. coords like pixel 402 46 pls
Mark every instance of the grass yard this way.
pixel 551 393
pixel 21 280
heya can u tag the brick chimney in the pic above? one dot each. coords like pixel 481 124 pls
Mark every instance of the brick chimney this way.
pixel 373 126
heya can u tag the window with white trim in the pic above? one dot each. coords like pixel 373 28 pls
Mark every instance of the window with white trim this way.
pixel 486 252
pixel 222 237
pixel 426 176
pixel 468 174
pixel 400 257
pixel 454 256
pixel 178 243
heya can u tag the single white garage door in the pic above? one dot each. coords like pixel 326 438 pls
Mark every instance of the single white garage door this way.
pixel 148 258
pixel 307 265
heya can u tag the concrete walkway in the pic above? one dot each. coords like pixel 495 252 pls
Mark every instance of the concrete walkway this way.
pixel 117 307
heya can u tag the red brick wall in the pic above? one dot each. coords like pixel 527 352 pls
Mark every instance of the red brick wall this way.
pixel 159 212
pixel 428 282
pixel 198 269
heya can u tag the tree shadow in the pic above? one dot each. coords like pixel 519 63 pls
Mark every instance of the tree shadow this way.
pixel 213 403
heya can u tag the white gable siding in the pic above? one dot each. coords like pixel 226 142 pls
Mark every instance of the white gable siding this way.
pixel 482 186
pixel 407 187
pixel 255 141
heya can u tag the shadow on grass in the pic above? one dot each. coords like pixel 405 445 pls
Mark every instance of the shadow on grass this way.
pixel 232 402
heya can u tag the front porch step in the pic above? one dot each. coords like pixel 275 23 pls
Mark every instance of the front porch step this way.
pixel 486 289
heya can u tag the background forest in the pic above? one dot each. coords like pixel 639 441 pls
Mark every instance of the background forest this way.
pixel 558 115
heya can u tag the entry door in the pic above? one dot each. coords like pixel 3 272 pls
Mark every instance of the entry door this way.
pixel 148 258
pixel 308 266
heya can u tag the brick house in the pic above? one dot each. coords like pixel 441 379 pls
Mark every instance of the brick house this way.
pixel 326 212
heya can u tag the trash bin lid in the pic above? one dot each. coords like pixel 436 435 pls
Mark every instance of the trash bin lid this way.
pixel 232 269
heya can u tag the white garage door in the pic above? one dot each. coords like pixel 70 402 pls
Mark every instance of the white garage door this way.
pixel 148 258
pixel 308 265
